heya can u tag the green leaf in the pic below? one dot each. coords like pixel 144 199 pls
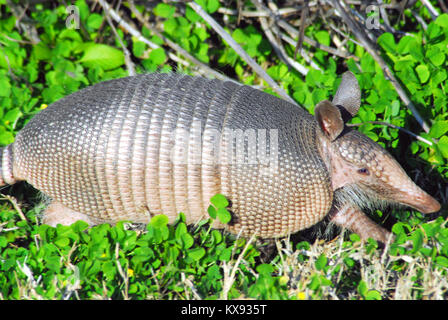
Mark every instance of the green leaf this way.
pixel 170 25
pixel 211 211
pixel 12 116
pixel 62 242
pixel 416 51
pixel 387 42
pixel 373 295
pixel 321 262
pixel 399 228
pixel 138 48
pixel 219 201
pixel 53 93
pixel 405 44
pixel 79 226
pixel 217 236
pixel 395 108
pixel 315 282
pixel 404 62
pixel 196 254
pixel 436 56
pixel 319 95
pixel 368 64
pixel 180 230
pixel 443 146
pixel 159 221
pixel 438 76
pixel 191 15
pixel 164 10
pixel 442 261
pixel 354 237
pixel 438 129
pixel 433 31
pixel 442 20
pixel 84 10
pixel 213 5
pixel 5 86
pixel 349 262
pixel 201 33
pixel 94 21
pixel 3 242
pixel 362 288
pixel 265 268
pixel 157 56
pixel 102 55
pixel 187 240
pixel 323 37
pixel 417 240
pixel 225 254
pixel 224 215
pixel 41 51
pixel 422 72
pixel 239 36
pixel 71 34
pixel 209 5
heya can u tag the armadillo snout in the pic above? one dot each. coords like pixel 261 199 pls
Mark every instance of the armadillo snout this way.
pixel 418 199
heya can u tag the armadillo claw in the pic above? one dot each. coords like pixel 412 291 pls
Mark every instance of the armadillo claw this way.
pixel 353 219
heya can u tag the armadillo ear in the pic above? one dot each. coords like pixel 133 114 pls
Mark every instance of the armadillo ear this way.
pixel 348 95
pixel 329 118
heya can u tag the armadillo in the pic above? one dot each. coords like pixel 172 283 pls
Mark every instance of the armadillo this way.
pixel 136 147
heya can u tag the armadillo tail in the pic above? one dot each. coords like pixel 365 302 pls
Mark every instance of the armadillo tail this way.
pixel 6 176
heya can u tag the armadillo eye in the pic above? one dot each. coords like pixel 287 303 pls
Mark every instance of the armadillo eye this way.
pixel 364 171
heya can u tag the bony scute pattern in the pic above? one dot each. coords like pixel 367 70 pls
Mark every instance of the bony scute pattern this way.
pixel 132 148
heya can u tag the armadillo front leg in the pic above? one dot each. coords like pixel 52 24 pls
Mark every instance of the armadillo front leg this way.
pixel 56 213
pixel 353 219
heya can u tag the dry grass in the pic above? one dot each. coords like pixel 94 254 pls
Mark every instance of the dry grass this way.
pixel 393 277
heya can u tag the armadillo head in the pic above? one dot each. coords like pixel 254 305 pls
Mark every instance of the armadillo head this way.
pixel 367 173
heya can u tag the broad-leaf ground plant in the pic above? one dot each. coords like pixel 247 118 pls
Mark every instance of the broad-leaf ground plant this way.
pixel 49 50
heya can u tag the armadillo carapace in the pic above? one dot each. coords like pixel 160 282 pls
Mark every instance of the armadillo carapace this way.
pixel 132 148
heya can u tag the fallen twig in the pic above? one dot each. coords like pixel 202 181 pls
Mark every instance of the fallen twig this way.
pixel 305 13
pixel 403 6
pixel 419 19
pixel 432 11
pixel 294 32
pixel 443 6
pixel 127 55
pixel 16 206
pixel 128 27
pixel 363 38
pixel 346 37
pixel 275 29
pixel 243 54
pixel 314 43
pixel 385 17
pixel 278 48
pixel 263 13
pixel 229 278
pixel 189 284
pixel 303 53
pixel 124 274
pixel 28 28
pixel 206 69
pixel 395 127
